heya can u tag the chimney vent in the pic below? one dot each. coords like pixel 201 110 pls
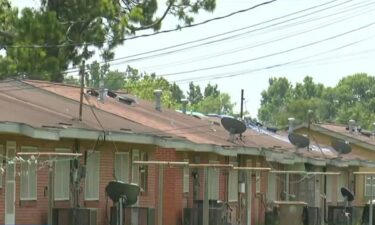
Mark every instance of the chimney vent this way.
pixel 158 99
pixel 351 125
pixel 184 105
pixel 291 121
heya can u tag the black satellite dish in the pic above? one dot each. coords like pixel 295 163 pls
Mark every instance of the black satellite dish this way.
pixel 118 189
pixel 341 147
pixel 347 194
pixel 233 126
pixel 298 140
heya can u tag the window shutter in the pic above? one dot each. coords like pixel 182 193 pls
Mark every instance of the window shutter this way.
pixel 28 179
pixel 1 166
pixel 213 185
pixel 257 179
pixel 92 176
pixel 62 177
pixel 329 188
pixel 271 190
pixel 135 168
pixel 186 177
pixel 233 183
pixel 122 166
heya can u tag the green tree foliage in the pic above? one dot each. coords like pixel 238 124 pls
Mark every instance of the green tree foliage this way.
pixel 70 31
pixel 194 94
pixel 177 93
pixel 211 90
pixel 220 104
pixel 352 98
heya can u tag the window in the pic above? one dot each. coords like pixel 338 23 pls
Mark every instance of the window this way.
pixel 92 175
pixel 62 177
pixel 329 189
pixel 233 184
pixel 186 176
pixel 28 175
pixel 213 182
pixel 122 166
pixel 368 186
pixel 271 187
pixel 139 172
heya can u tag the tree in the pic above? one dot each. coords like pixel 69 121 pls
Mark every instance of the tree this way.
pixel 194 94
pixel 220 104
pixel 211 90
pixel 177 93
pixel 69 31
pixel 274 100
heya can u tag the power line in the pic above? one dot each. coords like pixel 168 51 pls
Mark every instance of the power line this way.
pixel 258 44
pixel 75 69
pixel 272 54
pixel 146 35
pixel 243 72
pixel 131 59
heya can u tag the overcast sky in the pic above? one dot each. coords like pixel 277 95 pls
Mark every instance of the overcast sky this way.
pixel 326 42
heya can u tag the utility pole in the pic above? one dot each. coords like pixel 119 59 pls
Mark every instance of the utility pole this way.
pixel 242 99
pixel 82 74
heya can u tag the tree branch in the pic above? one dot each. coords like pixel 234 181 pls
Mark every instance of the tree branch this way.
pixel 156 22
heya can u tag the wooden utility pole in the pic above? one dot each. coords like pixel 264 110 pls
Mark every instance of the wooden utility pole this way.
pixel 82 75
pixel 242 98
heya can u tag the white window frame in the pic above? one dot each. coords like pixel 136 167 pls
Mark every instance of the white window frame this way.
pixel 28 167
pixel 62 178
pixel 367 186
pixel 213 182
pixel 257 179
pixel 135 167
pixel 91 173
pixel 330 188
pixel 233 184
pixel 122 166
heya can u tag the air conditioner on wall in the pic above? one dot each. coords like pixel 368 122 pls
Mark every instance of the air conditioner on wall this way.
pixel 74 216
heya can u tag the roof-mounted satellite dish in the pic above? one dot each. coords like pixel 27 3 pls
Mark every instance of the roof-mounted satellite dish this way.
pixel 117 190
pixel 122 194
pixel 341 147
pixel 233 126
pixel 347 194
pixel 298 140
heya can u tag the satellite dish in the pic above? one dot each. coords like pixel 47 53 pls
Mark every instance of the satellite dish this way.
pixel 341 147
pixel 298 140
pixel 347 194
pixel 233 126
pixel 118 189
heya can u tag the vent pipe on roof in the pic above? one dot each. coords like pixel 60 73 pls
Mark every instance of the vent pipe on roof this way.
pixel 291 121
pixel 101 97
pixel 157 94
pixel 351 125
pixel 184 105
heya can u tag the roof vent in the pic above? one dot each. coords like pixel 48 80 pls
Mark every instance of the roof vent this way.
pixel 158 99
pixel 291 122
pixel 184 104
pixel 126 100
pixel 351 125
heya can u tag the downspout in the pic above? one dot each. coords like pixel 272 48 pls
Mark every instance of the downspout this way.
pixel 325 196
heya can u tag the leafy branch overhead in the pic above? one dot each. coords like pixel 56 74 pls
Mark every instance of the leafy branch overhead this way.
pixel 71 31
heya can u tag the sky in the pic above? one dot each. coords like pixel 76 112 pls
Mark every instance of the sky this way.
pixel 328 40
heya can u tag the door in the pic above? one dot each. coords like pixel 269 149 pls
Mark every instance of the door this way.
pixel 10 185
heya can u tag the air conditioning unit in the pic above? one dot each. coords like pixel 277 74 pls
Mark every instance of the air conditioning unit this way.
pixel 288 209
pixel 336 215
pixel 135 216
pixel 194 216
pixel 74 216
pixel 313 216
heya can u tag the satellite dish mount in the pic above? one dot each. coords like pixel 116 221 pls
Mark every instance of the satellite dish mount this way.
pixel 299 141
